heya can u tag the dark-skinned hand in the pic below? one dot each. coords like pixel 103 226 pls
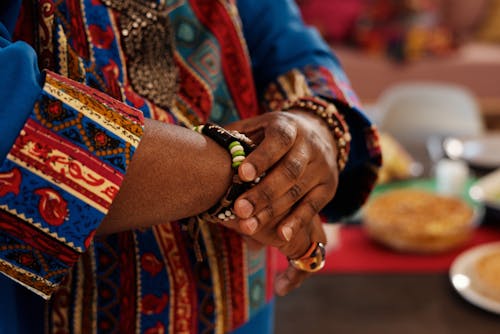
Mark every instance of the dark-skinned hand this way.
pixel 297 153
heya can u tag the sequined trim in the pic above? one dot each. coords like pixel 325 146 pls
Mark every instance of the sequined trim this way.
pixel 147 39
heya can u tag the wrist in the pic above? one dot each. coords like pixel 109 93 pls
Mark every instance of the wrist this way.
pixel 238 146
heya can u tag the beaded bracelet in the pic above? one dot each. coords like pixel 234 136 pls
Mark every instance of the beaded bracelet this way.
pixel 334 120
pixel 238 146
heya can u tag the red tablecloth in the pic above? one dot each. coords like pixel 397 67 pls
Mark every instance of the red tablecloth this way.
pixel 356 253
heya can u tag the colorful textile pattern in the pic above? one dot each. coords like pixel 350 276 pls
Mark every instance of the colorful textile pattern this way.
pixel 149 280
pixel 59 180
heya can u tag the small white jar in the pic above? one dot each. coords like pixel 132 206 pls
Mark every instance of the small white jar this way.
pixel 451 177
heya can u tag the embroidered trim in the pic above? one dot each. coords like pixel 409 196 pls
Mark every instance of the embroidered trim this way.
pixel 60 178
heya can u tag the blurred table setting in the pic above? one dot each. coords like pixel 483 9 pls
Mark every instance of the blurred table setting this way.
pixel 429 236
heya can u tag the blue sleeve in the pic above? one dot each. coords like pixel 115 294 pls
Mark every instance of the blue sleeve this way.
pixel 20 85
pixel 279 41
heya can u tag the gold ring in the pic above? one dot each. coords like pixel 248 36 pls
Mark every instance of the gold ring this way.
pixel 313 260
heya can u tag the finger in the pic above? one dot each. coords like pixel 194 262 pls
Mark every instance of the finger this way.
pixel 279 137
pixel 267 217
pixel 282 178
pixel 312 232
pixel 292 278
pixel 289 280
pixel 266 234
pixel 301 219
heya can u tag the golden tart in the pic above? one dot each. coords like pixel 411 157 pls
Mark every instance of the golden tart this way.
pixel 415 220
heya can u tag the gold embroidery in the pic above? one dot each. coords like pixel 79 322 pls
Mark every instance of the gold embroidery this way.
pixel 94 109
pixel 35 283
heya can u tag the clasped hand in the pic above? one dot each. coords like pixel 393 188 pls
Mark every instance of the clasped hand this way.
pixel 297 153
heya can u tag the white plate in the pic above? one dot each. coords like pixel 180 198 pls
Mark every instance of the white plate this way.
pixel 461 276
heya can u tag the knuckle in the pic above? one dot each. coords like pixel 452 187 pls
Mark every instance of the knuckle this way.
pixel 285 134
pixel 316 143
pixel 314 138
pixel 313 206
pixel 269 212
pixel 292 169
pixel 285 138
pixel 266 193
pixel 295 192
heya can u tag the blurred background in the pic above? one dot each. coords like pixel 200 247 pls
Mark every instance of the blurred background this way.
pixel 424 254
pixel 385 42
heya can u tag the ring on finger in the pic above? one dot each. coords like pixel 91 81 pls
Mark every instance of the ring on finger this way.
pixel 313 260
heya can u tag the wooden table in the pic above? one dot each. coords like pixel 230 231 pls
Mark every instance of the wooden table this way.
pixel 393 302
pixel 381 304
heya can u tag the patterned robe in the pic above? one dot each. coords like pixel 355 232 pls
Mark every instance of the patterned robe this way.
pixel 79 132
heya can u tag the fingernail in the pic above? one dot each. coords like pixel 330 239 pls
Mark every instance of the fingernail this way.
pixel 243 208
pixel 248 171
pixel 250 225
pixel 287 232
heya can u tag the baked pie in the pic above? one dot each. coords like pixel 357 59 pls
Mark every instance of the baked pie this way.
pixel 415 220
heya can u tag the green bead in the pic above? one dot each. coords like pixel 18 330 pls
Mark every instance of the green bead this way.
pixel 233 144
pixel 239 154
pixel 236 164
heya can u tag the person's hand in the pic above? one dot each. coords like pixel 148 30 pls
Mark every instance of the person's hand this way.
pixel 297 153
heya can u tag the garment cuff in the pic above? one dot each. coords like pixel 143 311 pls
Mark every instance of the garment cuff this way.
pixel 59 179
